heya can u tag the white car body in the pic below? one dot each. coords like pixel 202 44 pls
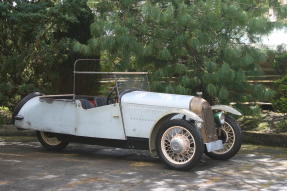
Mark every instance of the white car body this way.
pixel 136 116
pixel 140 111
pixel 133 120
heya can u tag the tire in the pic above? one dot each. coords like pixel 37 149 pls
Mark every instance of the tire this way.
pixel 22 102
pixel 232 127
pixel 186 142
pixel 52 141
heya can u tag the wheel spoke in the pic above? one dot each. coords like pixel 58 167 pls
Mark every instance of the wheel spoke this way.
pixel 184 139
pixel 228 138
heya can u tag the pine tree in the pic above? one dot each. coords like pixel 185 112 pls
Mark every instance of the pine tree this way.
pixel 192 45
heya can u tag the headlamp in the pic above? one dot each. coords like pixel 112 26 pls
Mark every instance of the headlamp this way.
pixel 219 118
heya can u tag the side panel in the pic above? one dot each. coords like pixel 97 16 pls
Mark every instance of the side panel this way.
pixel 142 109
pixel 52 116
pixel 139 119
pixel 67 117
pixel 100 122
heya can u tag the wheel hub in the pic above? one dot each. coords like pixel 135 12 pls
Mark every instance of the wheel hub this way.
pixel 179 144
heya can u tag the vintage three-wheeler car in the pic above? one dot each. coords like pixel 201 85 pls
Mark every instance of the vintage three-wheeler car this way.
pixel 177 128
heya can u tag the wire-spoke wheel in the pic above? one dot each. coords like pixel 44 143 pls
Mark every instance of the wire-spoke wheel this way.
pixel 228 138
pixel 52 141
pixel 230 134
pixel 179 144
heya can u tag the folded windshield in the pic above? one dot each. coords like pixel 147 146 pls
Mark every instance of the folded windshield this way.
pixel 105 81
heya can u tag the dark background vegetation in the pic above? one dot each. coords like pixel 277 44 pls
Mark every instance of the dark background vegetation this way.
pixel 188 46
pixel 36 46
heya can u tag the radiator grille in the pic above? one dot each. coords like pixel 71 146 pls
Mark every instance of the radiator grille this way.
pixel 202 108
pixel 208 123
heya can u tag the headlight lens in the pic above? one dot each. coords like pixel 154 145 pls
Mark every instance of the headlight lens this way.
pixel 219 118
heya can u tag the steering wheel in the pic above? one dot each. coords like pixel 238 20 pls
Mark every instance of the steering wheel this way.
pixel 112 96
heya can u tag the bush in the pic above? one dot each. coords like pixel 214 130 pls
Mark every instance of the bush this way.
pixel 281 126
pixel 5 115
pixel 280 60
pixel 280 100
pixel 36 46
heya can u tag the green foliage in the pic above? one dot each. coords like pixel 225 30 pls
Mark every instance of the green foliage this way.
pixel 5 115
pixel 188 45
pixel 254 111
pixel 280 61
pixel 281 126
pixel 36 45
pixel 280 100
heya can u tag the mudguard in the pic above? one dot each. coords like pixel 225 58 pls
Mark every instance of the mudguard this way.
pixel 166 116
pixel 226 109
pixel 21 104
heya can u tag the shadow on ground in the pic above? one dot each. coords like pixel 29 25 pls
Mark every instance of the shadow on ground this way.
pixel 26 166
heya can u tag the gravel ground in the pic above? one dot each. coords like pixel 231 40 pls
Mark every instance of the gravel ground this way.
pixel 26 166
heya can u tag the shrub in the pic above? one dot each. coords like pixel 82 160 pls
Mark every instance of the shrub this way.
pixel 280 100
pixel 5 115
pixel 280 60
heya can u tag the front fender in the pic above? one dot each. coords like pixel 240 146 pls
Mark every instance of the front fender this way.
pixel 166 116
pixel 226 109
pixel 186 112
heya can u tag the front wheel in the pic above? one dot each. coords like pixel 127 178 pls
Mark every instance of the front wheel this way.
pixel 52 141
pixel 230 134
pixel 179 144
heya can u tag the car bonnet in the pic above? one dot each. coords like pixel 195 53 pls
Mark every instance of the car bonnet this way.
pixel 157 99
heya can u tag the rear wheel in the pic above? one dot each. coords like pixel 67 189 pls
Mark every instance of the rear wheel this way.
pixel 230 134
pixel 52 141
pixel 179 144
